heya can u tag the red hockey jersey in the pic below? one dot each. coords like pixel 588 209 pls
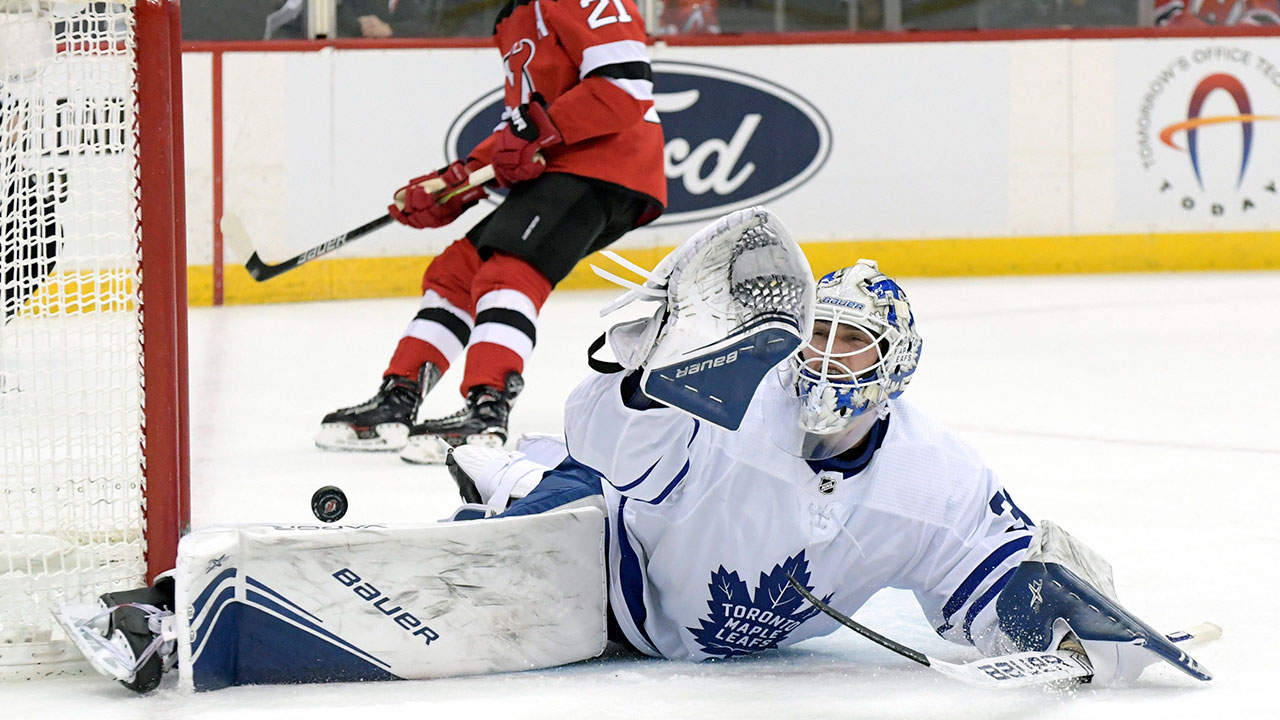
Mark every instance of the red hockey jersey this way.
pixel 587 58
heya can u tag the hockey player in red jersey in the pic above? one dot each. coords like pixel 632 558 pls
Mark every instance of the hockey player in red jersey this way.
pixel 579 148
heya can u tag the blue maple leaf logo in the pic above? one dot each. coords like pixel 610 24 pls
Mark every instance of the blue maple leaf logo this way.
pixel 741 623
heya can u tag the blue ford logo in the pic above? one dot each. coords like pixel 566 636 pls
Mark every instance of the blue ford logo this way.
pixel 732 139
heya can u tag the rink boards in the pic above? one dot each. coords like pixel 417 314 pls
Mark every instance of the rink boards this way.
pixel 938 158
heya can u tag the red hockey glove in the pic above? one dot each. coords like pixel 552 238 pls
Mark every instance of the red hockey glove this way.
pixel 515 152
pixel 422 209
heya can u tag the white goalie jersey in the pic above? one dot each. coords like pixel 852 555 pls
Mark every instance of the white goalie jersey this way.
pixel 704 525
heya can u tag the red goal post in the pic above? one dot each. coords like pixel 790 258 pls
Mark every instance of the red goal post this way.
pixel 93 357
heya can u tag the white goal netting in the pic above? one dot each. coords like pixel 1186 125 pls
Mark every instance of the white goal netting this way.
pixel 71 473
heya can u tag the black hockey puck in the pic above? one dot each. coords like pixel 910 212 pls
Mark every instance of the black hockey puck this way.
pixel 329 504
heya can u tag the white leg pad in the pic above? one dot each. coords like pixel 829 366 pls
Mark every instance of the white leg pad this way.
pixel 267 604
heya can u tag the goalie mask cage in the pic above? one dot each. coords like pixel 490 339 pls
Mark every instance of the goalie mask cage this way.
pixel 93 491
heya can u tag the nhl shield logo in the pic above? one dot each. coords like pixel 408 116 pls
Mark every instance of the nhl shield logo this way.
pixel 827 482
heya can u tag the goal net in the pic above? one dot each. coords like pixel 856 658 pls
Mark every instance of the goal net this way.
pixel 92 290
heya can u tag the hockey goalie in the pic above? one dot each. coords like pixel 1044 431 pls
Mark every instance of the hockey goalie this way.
pixel 749 439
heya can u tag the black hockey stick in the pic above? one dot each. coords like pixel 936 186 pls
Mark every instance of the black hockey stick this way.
pixel 237 237
pixel 1017 670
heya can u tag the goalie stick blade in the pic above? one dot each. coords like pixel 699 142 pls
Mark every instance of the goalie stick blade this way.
pixel 1037 668
pixel 1005 671
pixel 1017 670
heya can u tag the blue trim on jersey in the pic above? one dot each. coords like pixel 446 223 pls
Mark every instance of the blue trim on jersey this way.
pixel 979 574
pixel 981 602
pixel 628 486
pixel 623 488
pixel 856 464
pixel 631 579
pixel 672 486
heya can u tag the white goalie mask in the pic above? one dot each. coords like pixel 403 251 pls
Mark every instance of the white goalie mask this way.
pixel 863 351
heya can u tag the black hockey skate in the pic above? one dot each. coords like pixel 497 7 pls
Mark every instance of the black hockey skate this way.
pixel 482 421
pixel 382 422
pixel 130 635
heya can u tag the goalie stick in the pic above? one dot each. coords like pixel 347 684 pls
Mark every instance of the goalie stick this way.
pixel 1016 670
pixel 236 236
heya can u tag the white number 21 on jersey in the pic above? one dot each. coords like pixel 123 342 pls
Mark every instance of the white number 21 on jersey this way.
pixel 596 20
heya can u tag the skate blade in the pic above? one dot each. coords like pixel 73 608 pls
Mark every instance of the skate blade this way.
pixel 425 450
pixel 102 655
pixel 432 449
pixel 388 437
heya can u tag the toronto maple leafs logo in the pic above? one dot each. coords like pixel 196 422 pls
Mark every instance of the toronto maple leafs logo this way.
pixel 741 623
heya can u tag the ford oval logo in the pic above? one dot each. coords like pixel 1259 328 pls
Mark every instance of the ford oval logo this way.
pixel 732 139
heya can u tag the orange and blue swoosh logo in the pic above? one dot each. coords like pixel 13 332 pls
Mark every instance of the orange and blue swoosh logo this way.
pixel 1245 117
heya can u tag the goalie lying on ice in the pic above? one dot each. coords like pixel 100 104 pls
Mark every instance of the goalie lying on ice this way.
pixel 686 490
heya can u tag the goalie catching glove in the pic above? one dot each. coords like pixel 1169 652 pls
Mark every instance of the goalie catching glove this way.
pixel 733 301
pixel 421 209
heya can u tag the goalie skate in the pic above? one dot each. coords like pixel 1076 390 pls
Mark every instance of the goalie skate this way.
pixel 381 423
pixel 129 636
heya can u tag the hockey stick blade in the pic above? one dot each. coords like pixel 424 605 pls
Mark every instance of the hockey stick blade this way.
pixel 1196 635
pixel 235 235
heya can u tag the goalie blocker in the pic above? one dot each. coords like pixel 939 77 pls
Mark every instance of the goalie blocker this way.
pixel 269 604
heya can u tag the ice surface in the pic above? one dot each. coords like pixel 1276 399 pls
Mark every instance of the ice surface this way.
pixel 1138 411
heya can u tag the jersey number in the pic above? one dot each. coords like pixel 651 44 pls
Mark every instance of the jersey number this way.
pixel 997 505
pixel 598 19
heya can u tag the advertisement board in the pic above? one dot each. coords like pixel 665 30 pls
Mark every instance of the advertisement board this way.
pixel 946 158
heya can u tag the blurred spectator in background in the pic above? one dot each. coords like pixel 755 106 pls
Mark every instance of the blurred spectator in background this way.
pixel 388 18
pixel 764 16
pixel 1203 13
pixel 243 19
pixel 288 21
pixel 467 18
pixel 689 17
pixel 1057 13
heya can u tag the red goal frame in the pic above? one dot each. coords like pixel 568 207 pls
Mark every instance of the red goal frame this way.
pixel 162 290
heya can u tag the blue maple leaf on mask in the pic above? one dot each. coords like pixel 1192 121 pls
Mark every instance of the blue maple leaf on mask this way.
pixel 739 622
